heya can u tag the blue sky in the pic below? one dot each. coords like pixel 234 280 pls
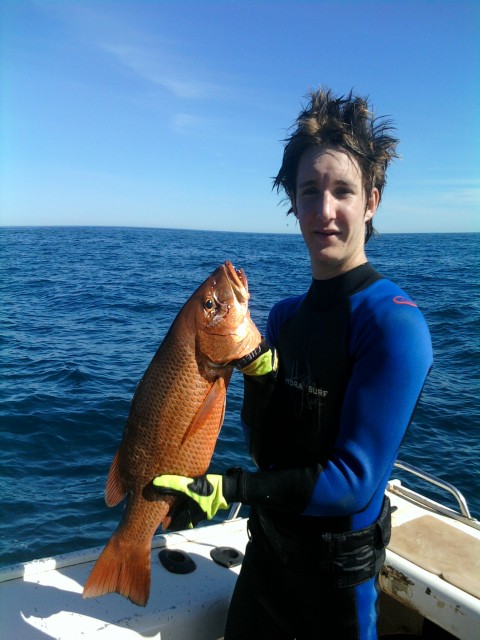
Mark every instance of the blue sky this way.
pixel 172 114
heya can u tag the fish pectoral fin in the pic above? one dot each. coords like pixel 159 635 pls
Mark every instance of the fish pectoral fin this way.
pixel 217 392
pixel 114 491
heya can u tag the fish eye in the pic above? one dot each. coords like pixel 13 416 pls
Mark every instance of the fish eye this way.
pixel 209 304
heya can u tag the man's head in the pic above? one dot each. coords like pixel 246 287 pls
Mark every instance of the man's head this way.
pixel 346 124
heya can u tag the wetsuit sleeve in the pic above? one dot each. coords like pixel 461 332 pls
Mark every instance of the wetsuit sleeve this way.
pixel 392 355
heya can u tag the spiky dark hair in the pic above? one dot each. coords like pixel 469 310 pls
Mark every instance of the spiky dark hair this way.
pixel 342 122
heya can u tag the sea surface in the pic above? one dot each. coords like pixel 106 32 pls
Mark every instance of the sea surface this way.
pixel 83 310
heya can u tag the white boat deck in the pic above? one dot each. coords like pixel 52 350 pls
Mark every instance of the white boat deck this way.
pixel 43 599
pixel 433 566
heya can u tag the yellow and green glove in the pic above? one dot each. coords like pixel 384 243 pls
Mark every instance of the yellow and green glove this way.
pixel 260 362
pixel 201 497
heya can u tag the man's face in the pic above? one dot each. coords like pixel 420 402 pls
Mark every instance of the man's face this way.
pixel 332 210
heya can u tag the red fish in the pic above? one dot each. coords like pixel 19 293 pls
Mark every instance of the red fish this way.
pixel 175 418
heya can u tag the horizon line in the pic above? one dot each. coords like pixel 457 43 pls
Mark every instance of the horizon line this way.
pixel 161 228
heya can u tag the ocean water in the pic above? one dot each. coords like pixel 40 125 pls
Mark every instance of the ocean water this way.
pixel 83 310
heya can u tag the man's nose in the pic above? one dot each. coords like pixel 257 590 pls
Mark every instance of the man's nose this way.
pixel 325 207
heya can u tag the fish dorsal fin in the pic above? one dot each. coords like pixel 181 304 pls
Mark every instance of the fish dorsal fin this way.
pixel 217 391
pixel 114 491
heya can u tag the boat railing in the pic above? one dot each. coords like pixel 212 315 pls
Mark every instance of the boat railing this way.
pixel 234 511
pixel 396 487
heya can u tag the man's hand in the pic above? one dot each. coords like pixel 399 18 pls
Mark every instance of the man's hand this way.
pixel 205 492
pixel 261 361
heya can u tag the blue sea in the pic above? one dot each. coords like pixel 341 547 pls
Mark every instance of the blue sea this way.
pixel 83 310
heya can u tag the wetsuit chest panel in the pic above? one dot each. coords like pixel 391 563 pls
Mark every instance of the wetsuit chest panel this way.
pixel 315 367
pixel 295 421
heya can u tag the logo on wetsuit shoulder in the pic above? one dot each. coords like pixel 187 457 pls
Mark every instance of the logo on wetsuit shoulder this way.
pixel 403 300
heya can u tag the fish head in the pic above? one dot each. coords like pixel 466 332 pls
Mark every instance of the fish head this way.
pixel 224 329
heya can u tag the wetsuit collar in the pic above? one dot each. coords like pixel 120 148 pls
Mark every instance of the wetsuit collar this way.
pixel 326 294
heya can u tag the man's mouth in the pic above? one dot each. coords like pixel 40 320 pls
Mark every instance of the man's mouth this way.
pixel 326 233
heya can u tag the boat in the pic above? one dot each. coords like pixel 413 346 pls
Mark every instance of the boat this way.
pixel 430 580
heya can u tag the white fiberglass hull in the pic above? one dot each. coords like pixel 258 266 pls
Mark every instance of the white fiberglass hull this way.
pixel 43 599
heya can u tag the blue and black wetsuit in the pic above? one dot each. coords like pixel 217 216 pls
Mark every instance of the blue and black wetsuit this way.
pixel 353 352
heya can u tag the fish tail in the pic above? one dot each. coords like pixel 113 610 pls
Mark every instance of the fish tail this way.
pixel 121 568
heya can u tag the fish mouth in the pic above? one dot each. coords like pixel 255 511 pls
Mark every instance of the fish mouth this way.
pixel 237 280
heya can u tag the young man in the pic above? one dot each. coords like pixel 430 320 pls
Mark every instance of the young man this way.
pixel 325 425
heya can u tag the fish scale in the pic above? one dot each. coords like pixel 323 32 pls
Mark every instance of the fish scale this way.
pixel 173 425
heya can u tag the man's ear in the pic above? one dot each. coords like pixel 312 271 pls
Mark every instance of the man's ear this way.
pixel 372 204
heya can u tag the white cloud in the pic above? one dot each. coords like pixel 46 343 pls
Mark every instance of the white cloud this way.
pixel 164 68
pixel 153 56
pixel 429 212
pixel 462 196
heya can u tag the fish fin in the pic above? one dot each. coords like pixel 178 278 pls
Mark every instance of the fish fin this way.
pixel 223 410
pixel 121 568
pixel 114 491
pixel 216 391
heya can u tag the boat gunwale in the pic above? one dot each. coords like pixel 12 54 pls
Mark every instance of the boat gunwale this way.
pixel 84 556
